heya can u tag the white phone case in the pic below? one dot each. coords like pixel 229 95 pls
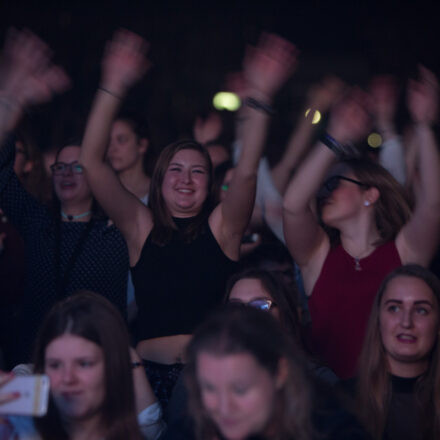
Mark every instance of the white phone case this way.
pixel 34 395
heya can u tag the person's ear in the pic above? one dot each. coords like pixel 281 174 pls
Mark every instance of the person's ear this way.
pixel 28 166
pixel 371 196
pixel 282 373
pixel 143 145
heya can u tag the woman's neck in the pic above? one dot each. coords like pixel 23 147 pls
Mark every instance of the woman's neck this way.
pixel 359 239
pixel 408 369
pixel 90 429
pixel 76 211
pixel 135 181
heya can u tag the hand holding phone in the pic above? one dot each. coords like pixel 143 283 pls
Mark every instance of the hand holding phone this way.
pixel 24 395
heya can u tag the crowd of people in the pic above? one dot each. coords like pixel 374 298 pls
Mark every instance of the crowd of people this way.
pixel 205 294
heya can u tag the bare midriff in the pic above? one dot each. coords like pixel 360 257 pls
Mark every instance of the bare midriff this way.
pixel 164 350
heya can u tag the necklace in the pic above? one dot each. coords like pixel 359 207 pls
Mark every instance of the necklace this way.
pixel 357 264
pixel 74 217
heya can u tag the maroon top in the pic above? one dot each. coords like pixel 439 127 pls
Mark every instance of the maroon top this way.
pixel 341 301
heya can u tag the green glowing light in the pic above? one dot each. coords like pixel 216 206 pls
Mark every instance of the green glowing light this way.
pixel 374 140
pixel 226 101
pixel 316 116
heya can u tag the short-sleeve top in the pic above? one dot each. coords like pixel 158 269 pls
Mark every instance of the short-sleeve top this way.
pixel 341 302
pixel 101 266
pixel 179 283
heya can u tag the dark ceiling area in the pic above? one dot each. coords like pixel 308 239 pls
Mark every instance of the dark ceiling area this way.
pixel 194 45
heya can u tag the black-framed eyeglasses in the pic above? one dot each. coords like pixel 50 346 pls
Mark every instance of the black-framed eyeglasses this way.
pixel 334 181
pixel 59 168
pixel 264 304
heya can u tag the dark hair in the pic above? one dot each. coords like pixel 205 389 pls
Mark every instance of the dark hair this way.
pixel 163 221
pixel 234 330
pixel 94 318
pixel 141 129
pixel 285 300
pixel 374 386
pixel 392 209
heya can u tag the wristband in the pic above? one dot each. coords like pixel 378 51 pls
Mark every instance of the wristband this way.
pixel 103 89
pixel 136 365
pixel 341 151
pixel 260 106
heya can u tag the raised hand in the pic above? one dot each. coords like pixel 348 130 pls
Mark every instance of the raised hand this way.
pixel 28 76
pixel 124 62
pixel 208 129
pixel 350 119
pixel 384 95
pixel 267 66
pixel 321 96
pixel 422 97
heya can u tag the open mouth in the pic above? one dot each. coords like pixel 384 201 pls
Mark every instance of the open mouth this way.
pixel 406 338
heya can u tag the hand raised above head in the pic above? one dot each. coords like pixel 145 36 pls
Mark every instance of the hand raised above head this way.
pixel 350 119
pixel 324 94
pixel 28 75
pixel 208 129
pixel 384 94
pixel 267 66
pixel 422 97
pixel 125 61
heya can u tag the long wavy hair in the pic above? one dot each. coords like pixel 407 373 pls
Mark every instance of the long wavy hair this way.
pixel 92 317
pixel 374 384
pixel 163 221
pixel 236 329
pixel 392 209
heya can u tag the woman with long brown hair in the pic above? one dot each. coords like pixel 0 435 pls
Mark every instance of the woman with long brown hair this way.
pixel 181 247
pixel 363 227
pixel 399 374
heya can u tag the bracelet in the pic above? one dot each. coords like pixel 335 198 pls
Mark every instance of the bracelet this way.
pixel 136 365
pixel 346 151
pixel 331 143
pixel 261 106
pixel 103 89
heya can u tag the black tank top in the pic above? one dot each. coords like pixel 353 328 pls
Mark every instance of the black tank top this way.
pixel 178 284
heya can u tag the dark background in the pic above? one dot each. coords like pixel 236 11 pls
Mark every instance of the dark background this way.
pixel 194 45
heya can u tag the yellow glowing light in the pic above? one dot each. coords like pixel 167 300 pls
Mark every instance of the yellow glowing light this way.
pixel 226 101
pixel 316 116
pixel 374 140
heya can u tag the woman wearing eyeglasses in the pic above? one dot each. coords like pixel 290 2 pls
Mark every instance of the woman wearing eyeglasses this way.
pixel 363 227
pixel 70 247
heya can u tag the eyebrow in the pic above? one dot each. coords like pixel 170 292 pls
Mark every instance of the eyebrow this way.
pixel 193 166
pixel 398 301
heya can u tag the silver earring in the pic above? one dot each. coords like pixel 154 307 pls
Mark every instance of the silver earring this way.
pixel 366 203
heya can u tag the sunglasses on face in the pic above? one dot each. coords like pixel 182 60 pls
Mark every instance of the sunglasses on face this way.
pixel 333 182
pixel 263 304
pixel 59 168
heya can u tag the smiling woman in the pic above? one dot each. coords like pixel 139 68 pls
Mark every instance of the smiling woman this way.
pixel 399 378
pixel 182 248
pixel 71 246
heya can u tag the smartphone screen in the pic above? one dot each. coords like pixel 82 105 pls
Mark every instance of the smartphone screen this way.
pixel 34 395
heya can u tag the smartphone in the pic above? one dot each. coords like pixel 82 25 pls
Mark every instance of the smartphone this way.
pixel 34 395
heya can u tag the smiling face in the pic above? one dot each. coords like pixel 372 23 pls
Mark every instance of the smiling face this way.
pixel 247 290
pixel 125 150
pixel 70 186
pixel 185 183
pixel 237 393
pixel 409 324
pixel 75 367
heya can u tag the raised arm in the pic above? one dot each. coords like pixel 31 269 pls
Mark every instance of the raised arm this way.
pixel 306 240
pixel 27 77
pixel 418 239
pixel 320 97
pixel 384 96
pixel 266 68
pixel 123 64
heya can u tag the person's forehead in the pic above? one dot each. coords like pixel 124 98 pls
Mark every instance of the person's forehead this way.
pixel 69 154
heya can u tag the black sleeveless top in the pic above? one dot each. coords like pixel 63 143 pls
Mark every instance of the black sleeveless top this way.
pixel 178 284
